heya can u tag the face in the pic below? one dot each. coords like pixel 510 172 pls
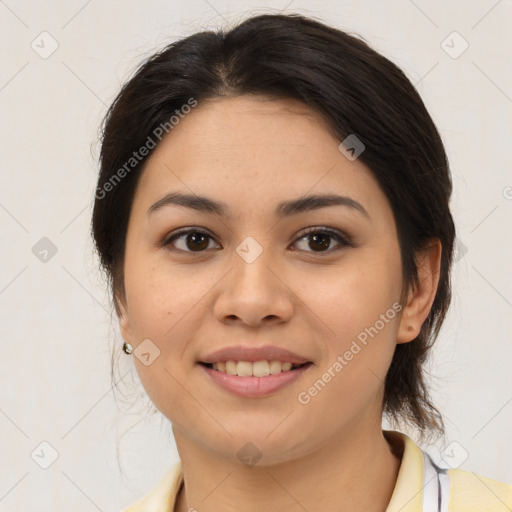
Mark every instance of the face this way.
pixel 323 283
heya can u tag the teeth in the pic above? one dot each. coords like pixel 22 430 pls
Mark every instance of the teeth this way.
pixel 231 367
pixel 256 369
pixel 260 368
pixel 275 367
pixel 244 369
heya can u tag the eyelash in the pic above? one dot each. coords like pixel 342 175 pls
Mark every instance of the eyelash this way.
pixel 343 240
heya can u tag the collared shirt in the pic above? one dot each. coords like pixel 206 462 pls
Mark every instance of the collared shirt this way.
pixel 421 486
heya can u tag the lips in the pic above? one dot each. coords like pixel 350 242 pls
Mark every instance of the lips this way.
pixel 252 386
pixel 253 372
pixel 254 354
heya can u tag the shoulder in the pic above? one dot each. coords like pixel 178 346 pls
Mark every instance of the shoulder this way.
pixel 456 490
pixel 162 497
pixel 475 493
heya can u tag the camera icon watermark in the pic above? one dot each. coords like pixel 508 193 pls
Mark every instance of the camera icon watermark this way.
pixel 146 352
pixel 454 45
pixel 44 250
pixel 459 250
pixel 249 250
pixel 351 147
pixel 44 455
pixel 454 455
pixel 249 454
pixel 44 45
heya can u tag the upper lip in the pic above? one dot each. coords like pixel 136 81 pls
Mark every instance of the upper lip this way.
pixel 253 354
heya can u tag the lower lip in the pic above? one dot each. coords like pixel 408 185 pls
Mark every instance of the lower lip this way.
pixel 255 387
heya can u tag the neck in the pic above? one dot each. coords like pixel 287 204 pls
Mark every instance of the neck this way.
pixel 356 471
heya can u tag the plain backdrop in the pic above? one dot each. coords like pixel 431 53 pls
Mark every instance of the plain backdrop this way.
pixel 62 64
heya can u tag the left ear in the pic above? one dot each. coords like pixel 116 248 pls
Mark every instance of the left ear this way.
pixel 422 295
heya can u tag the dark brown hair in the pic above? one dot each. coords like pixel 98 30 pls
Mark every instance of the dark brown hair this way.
pixel 356 90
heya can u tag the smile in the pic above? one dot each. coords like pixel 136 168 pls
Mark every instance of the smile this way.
pixel 253 369
pixel 245 380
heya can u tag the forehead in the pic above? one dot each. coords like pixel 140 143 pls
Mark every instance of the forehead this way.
pixel 240 128
pixel 251 150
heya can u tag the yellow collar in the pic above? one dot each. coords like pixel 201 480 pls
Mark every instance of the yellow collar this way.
pixel 467 491
pixel 408 493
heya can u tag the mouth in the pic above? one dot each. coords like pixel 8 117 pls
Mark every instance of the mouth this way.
pixel 263 368
pixel 256 379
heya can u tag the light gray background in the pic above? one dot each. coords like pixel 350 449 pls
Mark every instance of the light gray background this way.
pixel 55 328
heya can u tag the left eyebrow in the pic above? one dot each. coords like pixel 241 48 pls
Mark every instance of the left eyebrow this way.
pixel 283 209
pixel 314 202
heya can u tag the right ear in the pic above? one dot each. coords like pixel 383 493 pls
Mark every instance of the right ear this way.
pixel 124 322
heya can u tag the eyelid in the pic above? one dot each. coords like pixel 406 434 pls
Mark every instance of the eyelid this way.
pixel 186 231
pixel 344 240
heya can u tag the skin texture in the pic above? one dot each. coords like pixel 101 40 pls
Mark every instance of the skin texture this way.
pixel 252 153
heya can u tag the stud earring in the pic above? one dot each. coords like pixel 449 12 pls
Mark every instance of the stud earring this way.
pixel 127 348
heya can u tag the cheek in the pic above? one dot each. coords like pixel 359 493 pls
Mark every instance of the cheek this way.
pixel 159 294
pixel 350 378
pixel 166 306
pixel 351 296
pixel 359 303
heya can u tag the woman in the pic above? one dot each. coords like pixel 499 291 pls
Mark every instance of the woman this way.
pixel 272 213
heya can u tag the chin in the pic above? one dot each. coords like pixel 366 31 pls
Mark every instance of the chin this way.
pixel 258 448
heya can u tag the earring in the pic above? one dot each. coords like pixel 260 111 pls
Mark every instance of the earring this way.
pixel 127 348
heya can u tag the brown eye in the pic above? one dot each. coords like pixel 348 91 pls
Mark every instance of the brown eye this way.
pixel 191 240
pixel 319 239
pixel 196 241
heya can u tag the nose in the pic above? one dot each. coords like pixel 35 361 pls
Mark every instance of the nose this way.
pixel 254 294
